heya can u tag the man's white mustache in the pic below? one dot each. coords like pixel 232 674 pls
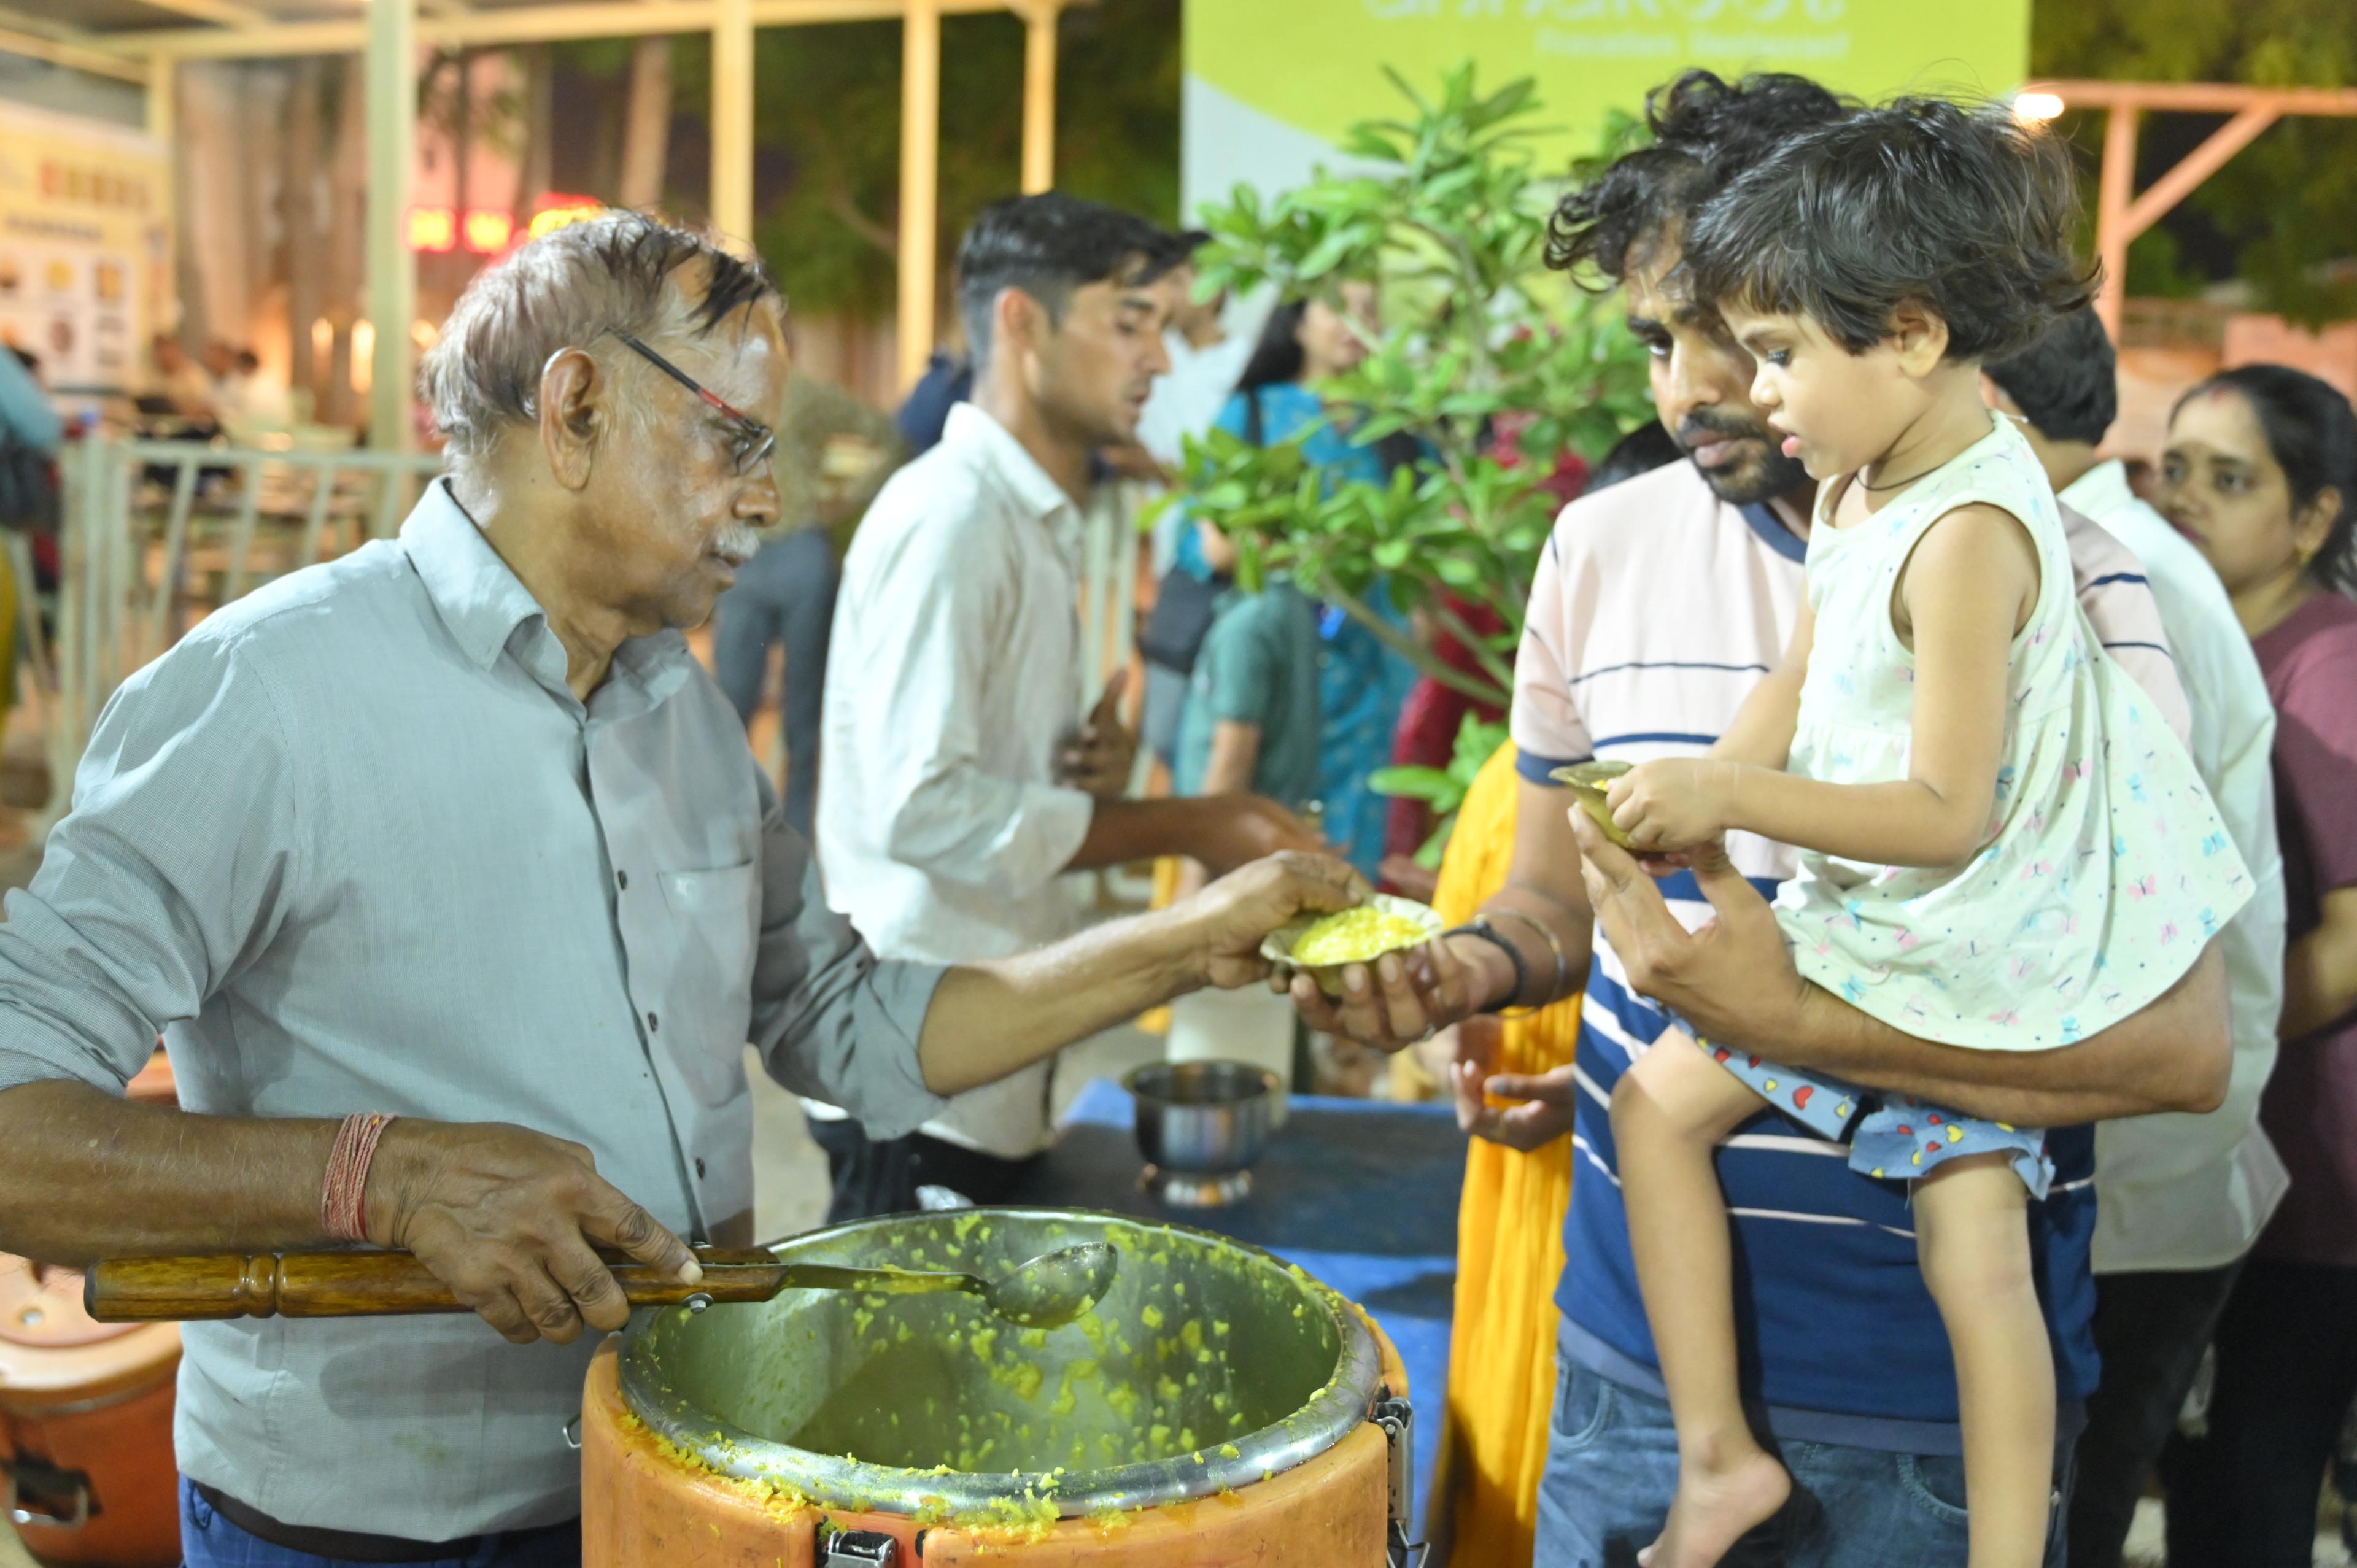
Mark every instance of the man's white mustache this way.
pixel 737 542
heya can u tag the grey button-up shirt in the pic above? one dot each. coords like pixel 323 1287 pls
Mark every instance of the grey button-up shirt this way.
pixel 352 844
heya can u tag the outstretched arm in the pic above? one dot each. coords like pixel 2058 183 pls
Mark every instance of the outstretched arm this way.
pixel 988 1019
pixel 1733 980
pixel 1963 591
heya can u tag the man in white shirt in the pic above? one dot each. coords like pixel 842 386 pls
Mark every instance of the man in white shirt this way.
pixel 959 789
pixel 2180 1198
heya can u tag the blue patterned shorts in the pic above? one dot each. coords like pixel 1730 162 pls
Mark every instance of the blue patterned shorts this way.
pixel 1895 1137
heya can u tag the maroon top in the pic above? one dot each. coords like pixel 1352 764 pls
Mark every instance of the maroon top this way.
pixel 2311 1108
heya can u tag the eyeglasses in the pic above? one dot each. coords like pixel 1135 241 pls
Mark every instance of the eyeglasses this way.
pixel 750 442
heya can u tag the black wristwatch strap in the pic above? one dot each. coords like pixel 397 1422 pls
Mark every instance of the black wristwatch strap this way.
pixel 1480 926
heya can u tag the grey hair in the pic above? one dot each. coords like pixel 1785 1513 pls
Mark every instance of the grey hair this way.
pixel 607 275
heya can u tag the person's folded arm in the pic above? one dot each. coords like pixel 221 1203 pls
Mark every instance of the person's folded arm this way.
pixel 2321 971
pixel 1734 982
pixel 2316 757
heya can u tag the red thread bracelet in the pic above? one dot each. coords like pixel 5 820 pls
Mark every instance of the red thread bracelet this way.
pixel 343 1194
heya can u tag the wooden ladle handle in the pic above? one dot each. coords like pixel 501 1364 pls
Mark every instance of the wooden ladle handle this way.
pixel 353 1284
pixel 266 1285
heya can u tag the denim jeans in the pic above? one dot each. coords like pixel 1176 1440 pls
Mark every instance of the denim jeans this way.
pixel 1612 1466
pixel 785 594
pixel 209 1541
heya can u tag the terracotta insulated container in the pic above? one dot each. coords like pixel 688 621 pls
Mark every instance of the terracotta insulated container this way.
pixel 86 1424
pixel 86 1413
pixel 640 1505
pixel 690 1424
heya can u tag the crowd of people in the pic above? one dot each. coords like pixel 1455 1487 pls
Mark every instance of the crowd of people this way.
pixel 1951 1049
pixel 223 388
pixel 1661 607
pixel 2173 1185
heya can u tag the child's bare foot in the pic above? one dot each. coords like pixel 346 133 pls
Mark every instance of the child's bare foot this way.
pixel 1714 1508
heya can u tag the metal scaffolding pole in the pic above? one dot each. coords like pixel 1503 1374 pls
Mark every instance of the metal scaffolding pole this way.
pixel 1039 97
pixel 732 120
pixel 392 76
pixel 163 99
pixel 921 147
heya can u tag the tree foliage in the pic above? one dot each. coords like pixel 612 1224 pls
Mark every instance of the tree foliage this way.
pixel 2285 206
pixel 1444 788
pixel 1479 338
pixel 827 124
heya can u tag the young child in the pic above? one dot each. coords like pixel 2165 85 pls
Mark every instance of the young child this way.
pixel 2006 849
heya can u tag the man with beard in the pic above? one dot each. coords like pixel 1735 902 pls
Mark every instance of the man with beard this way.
pixel 1657 607
pixel 958 790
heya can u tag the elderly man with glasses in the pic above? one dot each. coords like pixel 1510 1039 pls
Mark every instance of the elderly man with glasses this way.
pixel 448 877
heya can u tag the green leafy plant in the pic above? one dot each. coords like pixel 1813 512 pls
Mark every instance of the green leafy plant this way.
pixel 1482 341
pixel 1444 789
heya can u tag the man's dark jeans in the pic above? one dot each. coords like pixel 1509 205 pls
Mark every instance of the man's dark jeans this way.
pixel 784 595
pixel 2245 1495
pixel 2151 1330
pixel 1612 1467
pixel 873 1176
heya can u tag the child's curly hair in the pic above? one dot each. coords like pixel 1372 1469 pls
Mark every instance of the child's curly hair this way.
pixel 1961 209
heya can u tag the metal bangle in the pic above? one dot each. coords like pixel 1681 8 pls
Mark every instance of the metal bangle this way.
pixel 1478 927
pixel 1547 935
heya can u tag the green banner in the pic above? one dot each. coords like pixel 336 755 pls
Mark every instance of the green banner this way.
pixel 1314 65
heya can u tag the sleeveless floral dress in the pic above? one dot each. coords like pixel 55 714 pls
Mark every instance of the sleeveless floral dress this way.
pixel 2106 867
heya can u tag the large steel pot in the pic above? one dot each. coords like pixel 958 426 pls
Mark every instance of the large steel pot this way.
pixel 1210 1366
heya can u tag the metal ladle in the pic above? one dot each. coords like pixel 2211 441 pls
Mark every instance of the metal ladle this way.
pixel 1048 1292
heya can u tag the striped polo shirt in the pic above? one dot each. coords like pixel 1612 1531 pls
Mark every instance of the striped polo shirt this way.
pixel 1656 607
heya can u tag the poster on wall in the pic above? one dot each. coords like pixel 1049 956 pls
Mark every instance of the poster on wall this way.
pixel 1270 88
pixel 84 209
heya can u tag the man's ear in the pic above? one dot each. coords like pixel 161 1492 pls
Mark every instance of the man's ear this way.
pixel 574 415
pixel 1920 337
pixel 1018 321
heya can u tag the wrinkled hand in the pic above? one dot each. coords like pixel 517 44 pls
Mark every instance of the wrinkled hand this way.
pixel 1674 803
pixel 1549 1097
pixel 1098 756
pixel 1237 829
pixel 1401 998
pixel 1235 915
pixel 509 1219
pixel 1732 980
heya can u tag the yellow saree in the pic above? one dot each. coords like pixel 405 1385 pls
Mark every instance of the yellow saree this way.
pixel 1509 1248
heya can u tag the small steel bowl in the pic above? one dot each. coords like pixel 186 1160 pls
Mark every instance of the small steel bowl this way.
pixel 1200 1125
pixel 1588 781
pixel 1278 947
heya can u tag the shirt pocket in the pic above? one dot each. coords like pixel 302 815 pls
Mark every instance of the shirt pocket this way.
pixel 711 933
